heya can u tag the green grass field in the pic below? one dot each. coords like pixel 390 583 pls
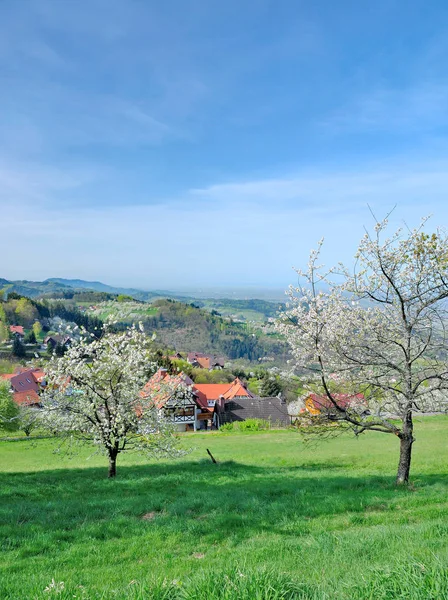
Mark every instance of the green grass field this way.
pixel 273 520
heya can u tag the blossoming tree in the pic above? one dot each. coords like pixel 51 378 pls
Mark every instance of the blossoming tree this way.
pixel 378 330
pixel 93 396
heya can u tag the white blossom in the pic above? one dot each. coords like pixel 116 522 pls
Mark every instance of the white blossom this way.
pixel 376 329
pixel 93 395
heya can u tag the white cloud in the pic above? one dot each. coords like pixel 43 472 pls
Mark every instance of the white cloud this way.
pixel 406 184
pixel 249 232
pixel 417 108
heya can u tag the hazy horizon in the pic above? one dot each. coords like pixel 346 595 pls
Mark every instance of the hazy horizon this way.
pixel 237 292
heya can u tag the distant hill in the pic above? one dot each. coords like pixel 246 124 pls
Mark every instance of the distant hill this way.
pixel 97 286
pixel 241 309
pixel 32 289
pixel 178 322
pixel 35 289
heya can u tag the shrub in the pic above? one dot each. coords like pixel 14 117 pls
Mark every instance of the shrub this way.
pixel 9 411
pixel 247 425
pixel 227 427
pixel 253 425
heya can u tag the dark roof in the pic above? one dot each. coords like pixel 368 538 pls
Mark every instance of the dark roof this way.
pixel 272 409
pixel 24 382
pixel 57 339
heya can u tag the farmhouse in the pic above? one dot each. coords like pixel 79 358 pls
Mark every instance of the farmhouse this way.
pixel 199 405
pixel 26 380
pixel 205 361
pixel 54 340
pixel 187 404
pixel 173 395
pixel 26 384
pixel 315 404
pixel 17 331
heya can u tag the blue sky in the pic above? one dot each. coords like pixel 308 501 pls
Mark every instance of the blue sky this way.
pixel 181 143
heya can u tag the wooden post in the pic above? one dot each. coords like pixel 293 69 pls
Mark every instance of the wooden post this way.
pixel 211 456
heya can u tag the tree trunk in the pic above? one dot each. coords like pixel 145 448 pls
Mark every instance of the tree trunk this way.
pixel 112 464
pixel 406 441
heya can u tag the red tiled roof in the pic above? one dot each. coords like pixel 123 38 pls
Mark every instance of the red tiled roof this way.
pixel 203 362
pixel 161 386
pixel 214 391
pixel 7 375
pixel 343 400
pixel 39 375
pixel 16 329
pixel 237 390
pixel 211 391
pixel 26 398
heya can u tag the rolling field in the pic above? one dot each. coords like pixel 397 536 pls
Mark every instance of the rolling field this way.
pixel 275 519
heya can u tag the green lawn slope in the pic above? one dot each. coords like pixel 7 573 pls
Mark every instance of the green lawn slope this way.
pixel 273 520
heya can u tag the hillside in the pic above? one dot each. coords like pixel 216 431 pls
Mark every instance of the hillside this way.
pixel 178 325
pixel 187 327
pixel 277 519
pixel 249 309
pixel 35 289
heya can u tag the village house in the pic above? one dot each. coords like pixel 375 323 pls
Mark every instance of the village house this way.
pixel 30 398
pixel 195 410
pixel 173 396
pixel 54 340
pixel 210 404
pixel 205 361
pixel 315 404
pixel 213 397
pixel 17 331
pixel 26 385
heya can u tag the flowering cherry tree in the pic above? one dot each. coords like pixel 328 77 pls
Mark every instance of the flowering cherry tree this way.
pixel 377 330
pixel 93 395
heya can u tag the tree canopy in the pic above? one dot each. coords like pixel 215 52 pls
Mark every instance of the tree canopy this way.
pixel 93 396
pixel 376 334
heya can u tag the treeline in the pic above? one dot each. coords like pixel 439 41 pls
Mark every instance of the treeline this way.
pixel 87 296
pixel 19 310
pixel 72 314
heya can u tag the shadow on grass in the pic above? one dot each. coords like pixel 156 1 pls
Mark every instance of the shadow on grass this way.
pixel 199 499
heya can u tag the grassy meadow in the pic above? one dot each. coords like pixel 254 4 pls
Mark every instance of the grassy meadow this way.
pixel 275 519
